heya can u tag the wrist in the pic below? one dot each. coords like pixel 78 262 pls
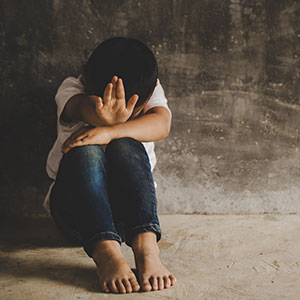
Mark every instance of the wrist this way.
pixel 112 132
pixel 115 131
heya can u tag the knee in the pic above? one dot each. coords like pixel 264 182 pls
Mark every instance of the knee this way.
pixel 86 154
pixel 125 147
pixel 86 150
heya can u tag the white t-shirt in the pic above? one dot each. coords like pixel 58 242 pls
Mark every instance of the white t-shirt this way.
pixel 70 87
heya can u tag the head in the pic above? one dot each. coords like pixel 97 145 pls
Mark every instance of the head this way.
pixel 127 58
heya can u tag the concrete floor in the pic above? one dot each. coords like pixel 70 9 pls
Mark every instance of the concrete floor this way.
pixel 213 257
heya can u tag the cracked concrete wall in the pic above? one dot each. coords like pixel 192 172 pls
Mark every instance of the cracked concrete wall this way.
pixel 230 70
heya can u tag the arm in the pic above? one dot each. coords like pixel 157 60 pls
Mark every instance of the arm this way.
pixel 110 110
pixel 154 125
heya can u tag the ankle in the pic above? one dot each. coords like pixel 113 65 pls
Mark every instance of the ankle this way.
pixel 145 243
pixel 104 248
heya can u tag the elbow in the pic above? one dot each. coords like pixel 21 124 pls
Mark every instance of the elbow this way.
pixel 166 130
pixel 162 122
pixel 168 124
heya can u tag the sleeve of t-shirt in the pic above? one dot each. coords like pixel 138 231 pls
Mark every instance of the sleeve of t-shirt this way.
pixel 158 98
pixel 70 87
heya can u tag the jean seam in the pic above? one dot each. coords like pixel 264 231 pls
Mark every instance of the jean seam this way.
pixel 154 202
pixel 103 233
pixel 152 227
pixel 141 226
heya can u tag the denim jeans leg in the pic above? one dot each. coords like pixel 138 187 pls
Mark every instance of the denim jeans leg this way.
pixel 80 198
pixel 131 188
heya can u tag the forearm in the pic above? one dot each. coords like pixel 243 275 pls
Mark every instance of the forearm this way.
pixel 150 127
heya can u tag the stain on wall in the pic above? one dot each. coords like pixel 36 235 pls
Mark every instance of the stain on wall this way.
pixel 230 70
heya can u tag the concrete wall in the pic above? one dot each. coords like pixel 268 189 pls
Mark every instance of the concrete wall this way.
pixel 230 69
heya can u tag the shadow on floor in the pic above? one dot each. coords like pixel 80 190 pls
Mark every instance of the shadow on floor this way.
pixel 19 235
pixel 24 233
pixel 58 271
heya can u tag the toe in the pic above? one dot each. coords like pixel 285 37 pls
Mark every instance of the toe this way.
pixel 127 285
pixel 173 279
pixel 160 282
pixel 121 286
pixel 153 281
pixel 134 284
pixel 113 287
pixel 166 281
pixel 105 287
pixel 146 286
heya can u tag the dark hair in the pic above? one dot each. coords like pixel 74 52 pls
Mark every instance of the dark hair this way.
pixel 127 58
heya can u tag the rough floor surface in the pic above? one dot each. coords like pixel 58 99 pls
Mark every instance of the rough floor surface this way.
pixel 213 257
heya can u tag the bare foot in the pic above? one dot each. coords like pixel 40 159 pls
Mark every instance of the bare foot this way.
pixel 113 271
pixel 152 274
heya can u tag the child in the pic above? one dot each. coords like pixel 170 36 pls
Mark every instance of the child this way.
pixel 103 191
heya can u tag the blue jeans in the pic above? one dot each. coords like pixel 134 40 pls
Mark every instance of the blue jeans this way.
pixel 107 195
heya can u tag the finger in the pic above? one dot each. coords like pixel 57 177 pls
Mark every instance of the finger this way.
pixel 74 136
pixel 99 105
pixel 74 144
pixel 99 102
pixel 132 102
pixel 114 90
pixel 114 79
pixel 77 143
pixel 107 93
pixel 80 136
pixel 120 89
pixel 66 149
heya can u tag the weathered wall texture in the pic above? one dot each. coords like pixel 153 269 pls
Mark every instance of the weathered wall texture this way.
pixel 230 69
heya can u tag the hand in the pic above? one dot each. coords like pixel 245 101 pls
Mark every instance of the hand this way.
pixel 113 108
pixel 88 135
